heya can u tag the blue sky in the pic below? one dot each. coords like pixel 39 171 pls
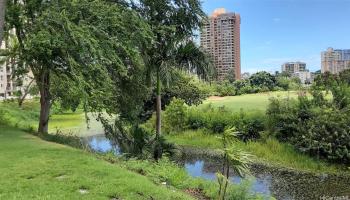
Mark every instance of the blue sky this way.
pixel 277 31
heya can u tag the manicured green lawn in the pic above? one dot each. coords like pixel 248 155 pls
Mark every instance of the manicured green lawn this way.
pixel 270 151
pixel 31 168
pixel 248 102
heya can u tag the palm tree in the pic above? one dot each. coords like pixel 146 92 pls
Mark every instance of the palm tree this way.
pixel 233 158
pixel 173 24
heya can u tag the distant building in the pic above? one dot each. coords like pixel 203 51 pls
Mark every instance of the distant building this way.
pixel 292 67
pixel 8 85
pixel 335 60
pixel 220 37
pixel 304 76
pixel 245 75
pixel 299 70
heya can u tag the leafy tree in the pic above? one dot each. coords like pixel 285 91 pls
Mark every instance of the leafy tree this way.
pixel 2 18
pixel 182 86
pixel 91 44
pixel 263 79
pixel 173 23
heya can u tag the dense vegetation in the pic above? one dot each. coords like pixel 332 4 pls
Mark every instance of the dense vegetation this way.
pixel 256 83
pixel 317 125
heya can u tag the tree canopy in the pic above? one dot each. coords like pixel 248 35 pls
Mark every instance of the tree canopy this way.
pixel 93 45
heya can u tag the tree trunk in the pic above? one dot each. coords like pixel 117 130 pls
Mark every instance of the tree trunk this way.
pixel 158 147
pixel 45 103
pixel 2 18
pixel 25 93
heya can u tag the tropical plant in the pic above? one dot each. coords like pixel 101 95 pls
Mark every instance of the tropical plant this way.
pixel 135 141
pixel 233 158
pixel 173 22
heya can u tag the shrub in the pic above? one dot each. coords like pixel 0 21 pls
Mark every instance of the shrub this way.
pixel 175 115
pixel 217 119
pixel 321 131
pixel 4 118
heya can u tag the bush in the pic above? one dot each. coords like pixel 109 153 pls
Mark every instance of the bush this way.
pixel 175 115
pixel 217 119
pixel 4 118
pixel 321 130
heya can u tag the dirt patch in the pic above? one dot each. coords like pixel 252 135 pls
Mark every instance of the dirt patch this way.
pixel 216 98
pixel 197 193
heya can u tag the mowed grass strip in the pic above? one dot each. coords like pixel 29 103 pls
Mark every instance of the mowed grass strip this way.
pixel 31 168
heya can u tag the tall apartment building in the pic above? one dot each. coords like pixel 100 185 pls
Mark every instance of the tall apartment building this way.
pixel 220 37
pixel 335 60
pixel 8 85
pixel 293 67
pixel 298 69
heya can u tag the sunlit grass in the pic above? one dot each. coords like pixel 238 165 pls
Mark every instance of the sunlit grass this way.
pixel 27 117
pixel 248 102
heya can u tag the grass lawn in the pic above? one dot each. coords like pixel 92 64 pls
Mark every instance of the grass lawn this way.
pixel 270 151
pixel 248 102
pixel 31 168
pixel 70 122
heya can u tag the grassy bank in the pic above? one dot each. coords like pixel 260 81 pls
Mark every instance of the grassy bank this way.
pixel 31 168
pixel 269 151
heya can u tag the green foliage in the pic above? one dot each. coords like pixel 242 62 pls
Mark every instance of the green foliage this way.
pixel 315 126
pixel 225 89
pixel 263 79
pixel 258 82
pixel 136 141
pixel 175 115
pixel 233 158
pixel 4 118
pixel 183 86
pixel 82 52
pixel 217 119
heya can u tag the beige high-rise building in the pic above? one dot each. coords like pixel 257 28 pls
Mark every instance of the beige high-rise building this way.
pixel 293 67
pixel 335 60
pixel 220 37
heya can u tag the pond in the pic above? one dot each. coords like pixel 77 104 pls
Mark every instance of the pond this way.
pixel 277 182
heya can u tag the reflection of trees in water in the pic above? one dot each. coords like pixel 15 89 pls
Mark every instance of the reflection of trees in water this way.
pixel 283 184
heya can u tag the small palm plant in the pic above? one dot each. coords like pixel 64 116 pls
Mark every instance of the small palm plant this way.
pixel 233 158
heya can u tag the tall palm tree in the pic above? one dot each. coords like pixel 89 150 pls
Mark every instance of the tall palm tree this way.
pixel 173 24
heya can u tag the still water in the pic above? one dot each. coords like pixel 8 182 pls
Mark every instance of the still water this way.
pixel 280 183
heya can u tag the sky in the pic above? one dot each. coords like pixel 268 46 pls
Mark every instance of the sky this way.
pixel 278 31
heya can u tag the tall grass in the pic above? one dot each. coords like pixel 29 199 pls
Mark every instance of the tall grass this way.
pixel 269 151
